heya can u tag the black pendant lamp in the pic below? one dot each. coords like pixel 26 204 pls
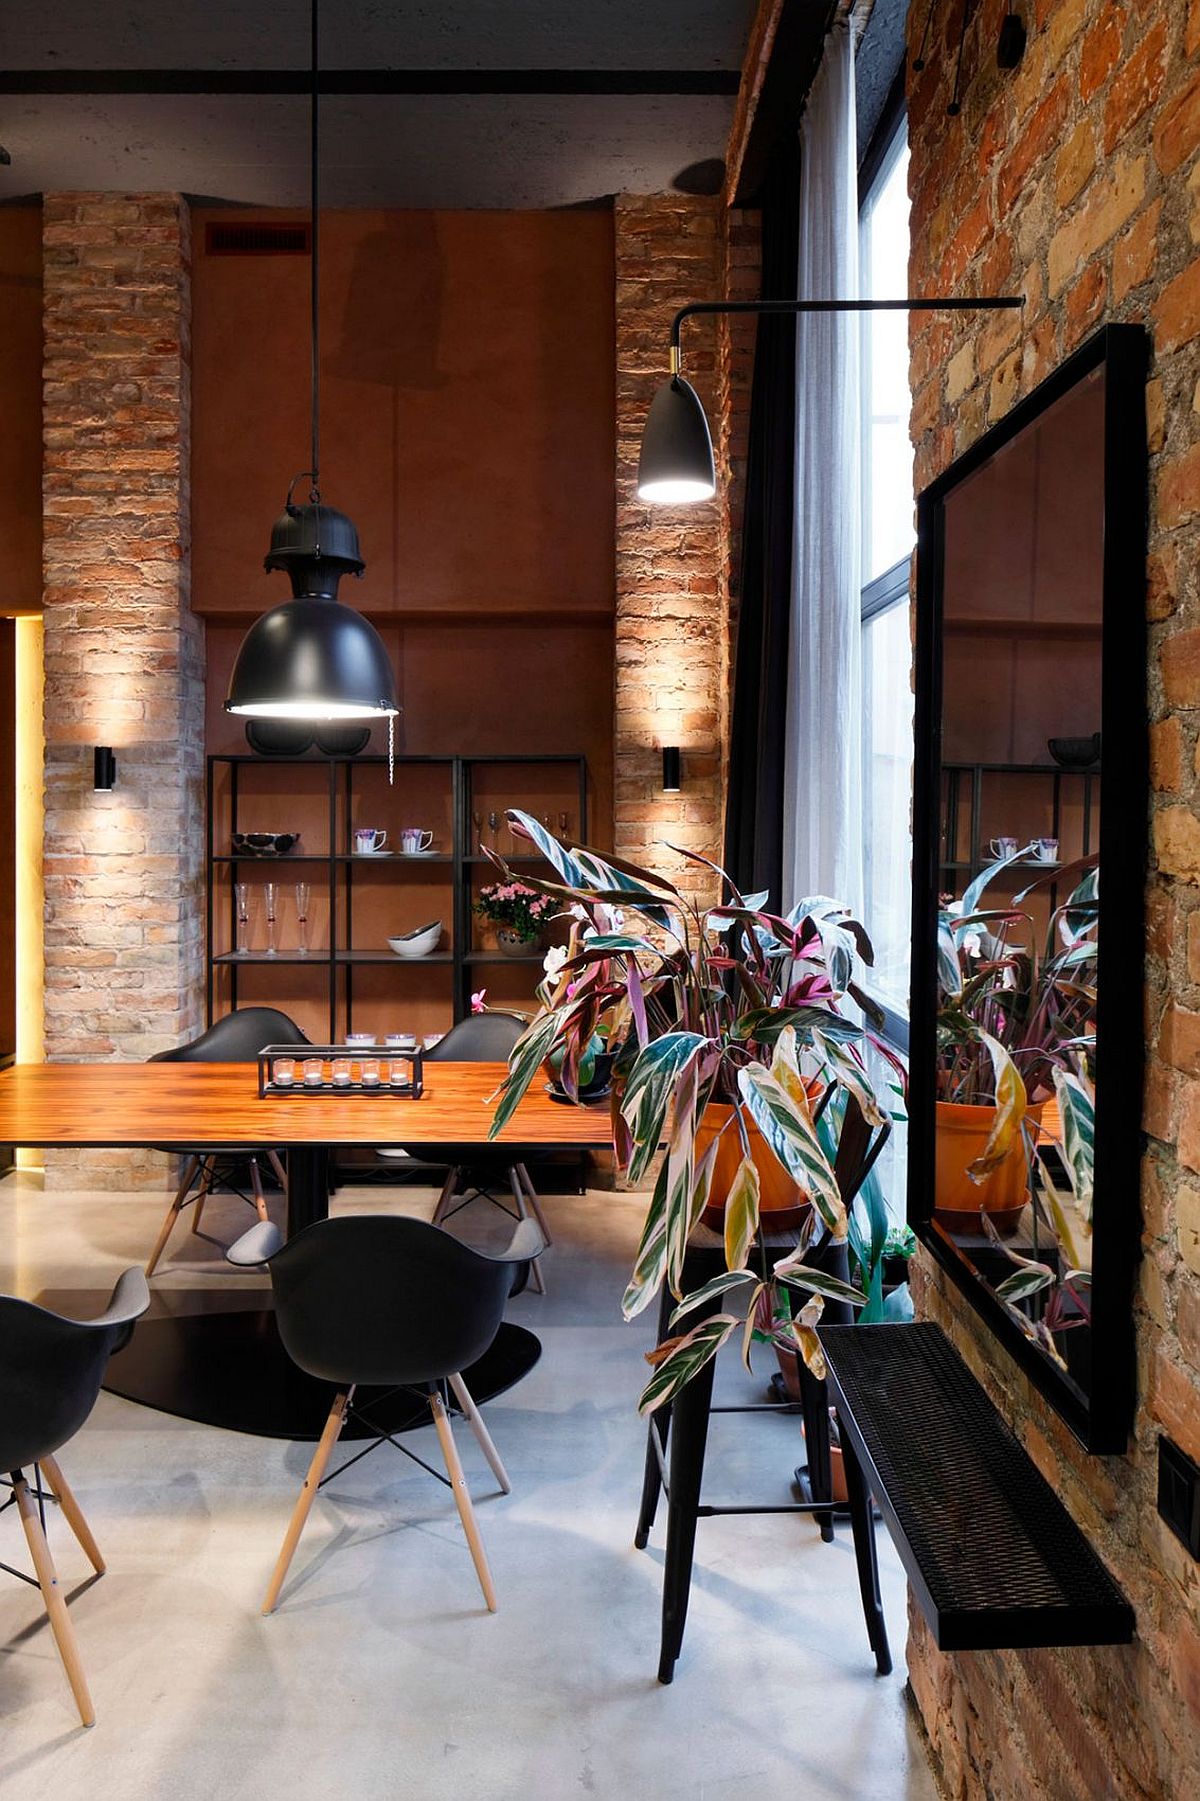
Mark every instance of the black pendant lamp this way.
pixel 313 657
pixel 676 465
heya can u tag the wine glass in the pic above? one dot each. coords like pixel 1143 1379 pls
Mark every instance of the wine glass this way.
pixel 303 894
pixel 241 894
pixel 270 896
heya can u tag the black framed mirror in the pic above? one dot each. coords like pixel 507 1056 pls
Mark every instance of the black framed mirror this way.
pixel 1029 836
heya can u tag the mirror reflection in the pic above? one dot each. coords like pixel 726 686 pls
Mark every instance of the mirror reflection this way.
pixel 1021 644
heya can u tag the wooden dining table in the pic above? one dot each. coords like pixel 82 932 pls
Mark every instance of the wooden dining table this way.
pixel 225 1365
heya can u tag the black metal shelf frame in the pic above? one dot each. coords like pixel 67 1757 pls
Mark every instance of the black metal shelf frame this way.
pixel 339 959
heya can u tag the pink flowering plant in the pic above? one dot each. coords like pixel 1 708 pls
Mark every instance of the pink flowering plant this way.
pixel 516 907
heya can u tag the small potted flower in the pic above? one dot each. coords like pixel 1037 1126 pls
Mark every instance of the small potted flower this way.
pixel 519 914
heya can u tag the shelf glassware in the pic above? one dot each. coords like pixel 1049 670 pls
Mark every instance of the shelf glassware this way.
pixel 270 897
pixel 303 895
pixel 241 895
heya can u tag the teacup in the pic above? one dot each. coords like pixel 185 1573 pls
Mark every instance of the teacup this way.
pixel 1003 847
pixel 1046 850
pixel 360 1041
pixel 368 841
pixel 413 840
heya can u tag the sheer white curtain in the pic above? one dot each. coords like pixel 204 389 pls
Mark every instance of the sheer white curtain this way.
pixel 822 847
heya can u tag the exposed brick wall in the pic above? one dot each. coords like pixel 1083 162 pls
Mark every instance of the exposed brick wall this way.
pixel 124 656
pixel 671 611
pixel 1075 180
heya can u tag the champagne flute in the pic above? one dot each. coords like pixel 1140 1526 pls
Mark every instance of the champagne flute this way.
pixel 303 895
pixel 564 823
pixel 241 894
pixel 494 828
pixel 477 822
pixel 270 894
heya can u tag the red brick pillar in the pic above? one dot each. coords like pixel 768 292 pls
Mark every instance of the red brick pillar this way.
pixel 671 617
pixel 124 655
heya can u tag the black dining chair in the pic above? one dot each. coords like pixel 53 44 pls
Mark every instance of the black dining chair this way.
pixel 677 1434
pixel 237 1038
pixel 391 1302
pixel 482 1038
pixel 50 1374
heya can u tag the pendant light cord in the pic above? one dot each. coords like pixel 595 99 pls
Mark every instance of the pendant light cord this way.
pixel 315 261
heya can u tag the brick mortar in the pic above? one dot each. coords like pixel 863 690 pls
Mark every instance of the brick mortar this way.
pixel 123 652
pixel 1075 181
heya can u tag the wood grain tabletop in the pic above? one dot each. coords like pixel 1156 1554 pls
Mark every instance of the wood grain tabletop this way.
pixel 178 1105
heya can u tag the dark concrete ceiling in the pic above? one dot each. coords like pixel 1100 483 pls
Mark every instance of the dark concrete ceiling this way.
pixel 186 96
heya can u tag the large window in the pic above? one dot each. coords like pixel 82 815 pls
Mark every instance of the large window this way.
pixel 887 489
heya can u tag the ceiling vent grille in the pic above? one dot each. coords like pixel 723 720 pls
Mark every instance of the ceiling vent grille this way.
pixel 257 237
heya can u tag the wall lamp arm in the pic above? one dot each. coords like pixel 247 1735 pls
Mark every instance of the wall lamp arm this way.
pixel 918 304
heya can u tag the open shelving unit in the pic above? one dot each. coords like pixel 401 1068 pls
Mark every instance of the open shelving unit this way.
pixel 359 900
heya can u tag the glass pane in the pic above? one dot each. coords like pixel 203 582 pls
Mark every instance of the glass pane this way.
pixel 888 532
pixel 887 778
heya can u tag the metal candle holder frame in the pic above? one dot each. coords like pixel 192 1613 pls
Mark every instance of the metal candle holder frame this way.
pixel 411 1090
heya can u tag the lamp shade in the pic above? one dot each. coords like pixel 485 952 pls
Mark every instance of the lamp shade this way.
pixel 676 465
pixel 312 657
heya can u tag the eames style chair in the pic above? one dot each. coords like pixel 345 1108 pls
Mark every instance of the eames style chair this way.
pixel 50 1374
pixel 238 1038
pixel 483 1038
pixel 394 1303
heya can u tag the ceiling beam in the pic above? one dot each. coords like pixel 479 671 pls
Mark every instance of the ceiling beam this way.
pixel 792 46
pixel 369 81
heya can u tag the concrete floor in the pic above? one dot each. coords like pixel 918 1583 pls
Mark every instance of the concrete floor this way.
pixel 381 1675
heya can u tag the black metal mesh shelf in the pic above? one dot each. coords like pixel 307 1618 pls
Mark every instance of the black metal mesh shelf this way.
pixel 993 1556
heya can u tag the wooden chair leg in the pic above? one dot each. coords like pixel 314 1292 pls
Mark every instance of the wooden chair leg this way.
pixel 535 1203
pixel 260 1205
pixel 466 1512
pixel 308 1494
pixel 52 1595
pixel 449 1190
pixel 535 1267
pixel 73 1513
pixel 280 1174
pixel 474 1419
pixel 208 1176
pixel 172 1214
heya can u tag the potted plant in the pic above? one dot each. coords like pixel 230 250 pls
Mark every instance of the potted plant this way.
pixel 727 1022
pixel 1012 1024
pixel 518 912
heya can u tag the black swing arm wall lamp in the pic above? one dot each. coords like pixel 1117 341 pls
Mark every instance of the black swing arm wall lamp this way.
pixel 676 465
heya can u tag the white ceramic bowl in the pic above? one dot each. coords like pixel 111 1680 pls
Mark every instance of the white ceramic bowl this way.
pixel 418 944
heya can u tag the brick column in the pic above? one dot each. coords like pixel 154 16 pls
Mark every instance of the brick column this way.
pixel 124 656
pixel 671 639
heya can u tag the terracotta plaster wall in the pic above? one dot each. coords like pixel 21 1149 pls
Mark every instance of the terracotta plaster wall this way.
pixel 21 392
pixel 1075 180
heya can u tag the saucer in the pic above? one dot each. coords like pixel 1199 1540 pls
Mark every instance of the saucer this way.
pixel 564 1100
pixel 418 853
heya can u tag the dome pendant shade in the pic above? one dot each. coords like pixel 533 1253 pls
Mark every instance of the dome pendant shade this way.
pixel 676 465
pixel 312 658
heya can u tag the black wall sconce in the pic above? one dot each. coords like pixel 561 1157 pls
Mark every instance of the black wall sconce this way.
pixel 104 768
pixel 671 769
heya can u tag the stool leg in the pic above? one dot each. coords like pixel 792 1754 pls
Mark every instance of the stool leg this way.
pixel 658 1426
pixel 449 1190
pixel 308 1494
pixel 534 1203
pixel 73 1513
pixel 862 1520
pixel 689 1435
pixel 814 1396
pixel 172 1214
pixel 474 1419
pixel 260 1205
pixel 462 1498
pixel 52 1595
pixel 535 1267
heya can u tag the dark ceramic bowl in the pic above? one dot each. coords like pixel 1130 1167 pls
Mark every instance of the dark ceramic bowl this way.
pixel 263 844
pixel 1075 753
pixel 278 737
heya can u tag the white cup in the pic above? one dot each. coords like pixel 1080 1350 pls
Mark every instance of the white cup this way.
pixel 360 1040
pixel 413 840
pixel 368 841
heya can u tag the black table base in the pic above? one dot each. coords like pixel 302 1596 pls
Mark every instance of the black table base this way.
pixel 230 1369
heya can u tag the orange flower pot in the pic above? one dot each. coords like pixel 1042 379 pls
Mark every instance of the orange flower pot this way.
pixel 781 1202
pixel 960 1134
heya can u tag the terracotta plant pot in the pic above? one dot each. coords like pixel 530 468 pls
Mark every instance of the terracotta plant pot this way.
pixel 780 1200
pixel 960 1133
